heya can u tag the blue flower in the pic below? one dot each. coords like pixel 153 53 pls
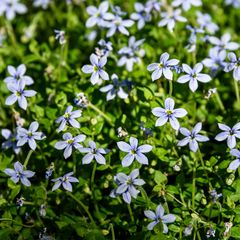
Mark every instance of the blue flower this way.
pixel 69 118
pixel 229 133
pixel 93 153
pixel 18 173
pixel 158 217
pixel 152 5
pixel 131 54
pixel 234 66
pixel 19 94
pixel 215 60
pixel 169 114
pixel 29 136
pixel 65 181
pixel 106 48
pixel 205 22
pixel 234 3
pixel 192 138
pixel 126 185
pixel 18 74
pixel 60 35
pixel 69 142
pixel 96 69
pixel 192 40
pixel 170 18
pixel 164 67
pixel 141 15
pixel 210 232
pixel 214 195
pixel 41 3
pixel 81 100
pixel 186 4
pixel 234 165
pixel 114 89
pixel 193 76
pixel 134 152
pixel 223 43
pixel 118 24
pixel 11 140
pixel 11 7
pixel 99 15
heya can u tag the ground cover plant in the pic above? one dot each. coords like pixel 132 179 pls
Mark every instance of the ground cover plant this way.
pixel 119 119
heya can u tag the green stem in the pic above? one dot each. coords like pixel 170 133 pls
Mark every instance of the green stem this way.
pixel 27 158
pixel 144 194
pixel 219 101
pixel 194 182
pixel 201 159
pixel 194 234
pixel 130 212
pixel 12 37
pixel 93 190
pixel 60 65
pixel 199 236
pixel 17 223
pixel 210 212
pixel 170 88
pixel 183 204
pixel 85 208
pixel 108 119
pixel 237 91
pixel 112 231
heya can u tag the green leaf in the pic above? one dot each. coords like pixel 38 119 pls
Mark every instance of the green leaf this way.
pixel 235 232
pixel 159 177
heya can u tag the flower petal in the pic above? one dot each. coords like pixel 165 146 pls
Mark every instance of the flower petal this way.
pixel 234 165
pixel 127 160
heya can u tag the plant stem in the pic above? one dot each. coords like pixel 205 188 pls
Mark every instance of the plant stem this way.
pixel 12 37
pixel 170 88
pixel 194 181
pixel 210 212
pixel 199 236
pixel 93 190
pixel 201 159
pixel 101 113
pixel 83 207
pixel 236 91
pixel 112 231
pixel 17 223
pixel 130 212
pixel 183 204
pixel 27 158
pixel 219 101
pixel 144 194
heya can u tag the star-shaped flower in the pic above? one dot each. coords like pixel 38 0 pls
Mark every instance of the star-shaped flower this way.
pixel 134 152
pixel 19 94
pixel 193 76
pixel 18 74
pixel 126 185
pixel 18 173
pixel 169 114
pixel 93 153
pixel 158 217
pixel 163 68
pixel 229 133
pixel 69 143
pixel 29 136
pixel 96 69
pixel 192 138
pixel 69 118
pixel 65 181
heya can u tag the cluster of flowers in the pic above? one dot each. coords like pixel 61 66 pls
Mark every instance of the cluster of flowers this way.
pixel 127 185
